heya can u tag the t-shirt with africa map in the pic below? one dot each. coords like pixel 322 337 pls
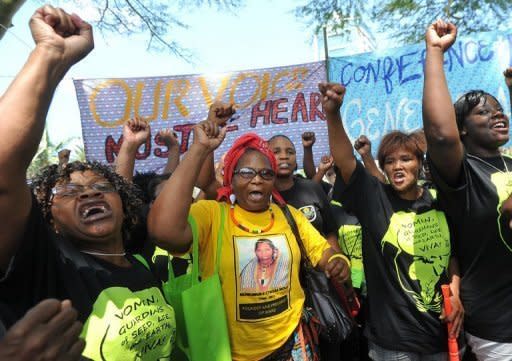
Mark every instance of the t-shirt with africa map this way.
pixel 124 313
pixel 482 243
pixel 406 251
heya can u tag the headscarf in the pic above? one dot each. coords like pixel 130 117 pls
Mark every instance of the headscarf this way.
pixel 240 147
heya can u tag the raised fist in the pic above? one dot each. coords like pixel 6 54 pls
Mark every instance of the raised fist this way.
pixel 332 97
pixel 220 113
pixel 65 36
pixel 209 134
pixel 441 35
pixel 326 163
pixel 308 139
pixel 363 145
pixel 136 132
pixel 63 157
pixel 169 138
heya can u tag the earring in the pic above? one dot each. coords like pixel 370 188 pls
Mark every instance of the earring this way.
pixel 232 198
pixel 271 199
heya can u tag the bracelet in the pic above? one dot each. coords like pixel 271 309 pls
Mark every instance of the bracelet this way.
pixel 342 256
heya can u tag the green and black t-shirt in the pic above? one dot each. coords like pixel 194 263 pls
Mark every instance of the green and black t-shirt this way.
pixel 406 251
pixel 124 313
pixel 350 239
pixel 309 198
pixel 482 243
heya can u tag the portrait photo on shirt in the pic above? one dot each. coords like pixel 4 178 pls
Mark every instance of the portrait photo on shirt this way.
pixel 263 266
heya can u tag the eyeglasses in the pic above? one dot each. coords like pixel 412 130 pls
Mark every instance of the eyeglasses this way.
pixel 72 190
pixel 250 173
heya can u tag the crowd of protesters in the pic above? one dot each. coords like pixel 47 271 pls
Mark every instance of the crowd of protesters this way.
pixel 87 250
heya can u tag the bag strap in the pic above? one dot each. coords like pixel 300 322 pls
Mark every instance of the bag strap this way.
pixel 195 247
pixel 195 251
pixel 293 225
pixel 219 235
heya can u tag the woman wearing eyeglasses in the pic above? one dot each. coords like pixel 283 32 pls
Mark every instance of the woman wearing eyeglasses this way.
pixel 64 238
pixel 263 322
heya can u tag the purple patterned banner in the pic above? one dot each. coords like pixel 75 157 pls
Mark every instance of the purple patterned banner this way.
pixel 283 100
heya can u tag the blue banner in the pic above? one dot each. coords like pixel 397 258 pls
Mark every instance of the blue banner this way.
pixel 385 88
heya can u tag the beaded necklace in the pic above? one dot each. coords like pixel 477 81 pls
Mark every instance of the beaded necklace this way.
pixel 247 229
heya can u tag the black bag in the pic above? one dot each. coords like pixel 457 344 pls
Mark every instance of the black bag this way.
pixel 336 323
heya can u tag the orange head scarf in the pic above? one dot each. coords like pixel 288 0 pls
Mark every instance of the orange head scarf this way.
pixel 240 147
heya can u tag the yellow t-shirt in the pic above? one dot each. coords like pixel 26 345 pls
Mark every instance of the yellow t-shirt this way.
pixel 259 273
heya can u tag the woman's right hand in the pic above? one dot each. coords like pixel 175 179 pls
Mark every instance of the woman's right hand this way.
pixel 209 135
pixel 441 35
pixel 332 97
pixel 338 269
pixel 220 113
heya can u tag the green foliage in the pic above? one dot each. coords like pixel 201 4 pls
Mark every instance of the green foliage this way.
pixel 48 153
pixel 7 10
pixel 336 14
pixel 406 20
pixel 156 18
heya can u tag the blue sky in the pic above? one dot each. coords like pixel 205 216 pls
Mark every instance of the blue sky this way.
pixel 260 34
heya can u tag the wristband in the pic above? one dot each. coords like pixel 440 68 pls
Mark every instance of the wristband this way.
pixel 342 256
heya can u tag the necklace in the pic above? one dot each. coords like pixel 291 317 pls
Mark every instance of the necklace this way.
pixel 104 254
pixel 247 229
pixel 491 165
pixel 263 275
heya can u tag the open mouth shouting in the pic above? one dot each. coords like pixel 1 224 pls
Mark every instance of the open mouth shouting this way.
pixel 255 196
pixel 398 178
pixel 93 211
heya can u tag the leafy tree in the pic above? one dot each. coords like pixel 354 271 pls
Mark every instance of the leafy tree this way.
pixel 157 18
pixel 336 15
pixel 47 153
pixel 406 20
pixel 7 10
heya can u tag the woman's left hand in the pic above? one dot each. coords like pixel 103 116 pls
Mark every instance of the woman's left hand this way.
pixel 456 317
pixel 338 269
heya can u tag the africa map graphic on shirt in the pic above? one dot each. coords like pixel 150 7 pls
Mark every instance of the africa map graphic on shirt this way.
pixel 503 183
pixel 263 266
pixel 423 240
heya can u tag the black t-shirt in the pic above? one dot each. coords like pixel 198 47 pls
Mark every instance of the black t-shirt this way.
pixel 483 243
pixel 406 251
pixel 309 198
pixel 124 313
pixel 326 187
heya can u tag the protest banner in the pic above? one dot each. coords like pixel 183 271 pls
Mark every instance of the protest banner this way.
pixel 385 88
pixel 282 100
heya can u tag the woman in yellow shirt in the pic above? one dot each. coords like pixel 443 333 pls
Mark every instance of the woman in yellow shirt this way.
pixel 263 321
